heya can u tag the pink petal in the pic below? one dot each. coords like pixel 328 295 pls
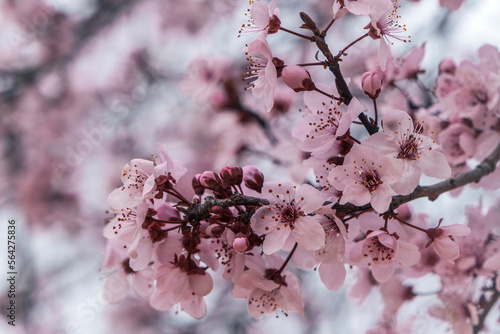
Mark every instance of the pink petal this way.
pixel 381 197
pixel 195 307
pixel 161 302
pixel 355 194
pixel 275 240
pixel 309 233
pixel 332 274
pixel 260 14
pixel 447 249
pixel 201 284
pixel 382 274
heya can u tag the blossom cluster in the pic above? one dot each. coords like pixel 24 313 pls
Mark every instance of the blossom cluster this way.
pixel 368 153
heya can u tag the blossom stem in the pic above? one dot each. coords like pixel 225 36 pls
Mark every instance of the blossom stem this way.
pixel 376 112
pixel 411 225
pixel 354 139
pixel 323 63
pixel 309 38
pixel 324 31
pixel 333 65
pixel 280 270
pixel 326 94
pixel 341 52
pixel 176 194
pixel 487 166
pixel 484 314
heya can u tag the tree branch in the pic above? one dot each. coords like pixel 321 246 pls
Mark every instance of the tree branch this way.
pixel 486 167
pixel 199 211
pixel 333 66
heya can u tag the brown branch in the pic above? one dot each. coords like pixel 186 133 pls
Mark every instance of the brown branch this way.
pixel 486 167
pixel 484 314
pixel 199 211
pixel 333 66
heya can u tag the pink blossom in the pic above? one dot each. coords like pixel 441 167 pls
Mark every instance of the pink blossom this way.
pixel 384 25
pixel 182 282
pixel 443 242
pixel 383 250
pixel 205 74
pixel 332 269
pixel 268 290
pixel 457 312
pixel 319 130
pixel 364 7
pixel 143 179
pixel 263 18
pixel 458 143
pixel 264 69
pixel 365 178
pixel 287 214
pixel 410 151
pixel 410 65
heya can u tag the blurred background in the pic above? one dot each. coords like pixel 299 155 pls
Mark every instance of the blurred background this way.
pixel 88 85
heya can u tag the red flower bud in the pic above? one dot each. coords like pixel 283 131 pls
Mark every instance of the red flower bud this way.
pixel 297 78
pixel 253 178
pixel 197 186
pixel 371 84
pixel 232 175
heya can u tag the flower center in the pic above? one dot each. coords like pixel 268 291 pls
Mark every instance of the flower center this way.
pixel 370 179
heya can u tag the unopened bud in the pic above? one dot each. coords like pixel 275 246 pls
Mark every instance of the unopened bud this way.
pixel 240 244
pixel 371 84
pixel 297 78
pixel 197 186
pixel 253 178
pixel 447 66
pixel 232 175
pixel 211 180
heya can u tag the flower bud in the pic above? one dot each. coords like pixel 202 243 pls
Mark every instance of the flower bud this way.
pixel 211 181
pixel 371 84
pixel 232 175
pixel 240 244
pixel 447 66
pixel 253 178
pixel 297 78
pixel 197 186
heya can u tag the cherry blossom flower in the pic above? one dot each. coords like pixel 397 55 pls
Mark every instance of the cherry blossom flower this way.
pixel 182 282
pixel 263 18
pixel 363 7
pixel 263 68
pixel 365 178
pixel 410 151
pixel 332 270
pixel 268 290
pixel 410 65
pixel 383 250
pixel 287 214
pixel 205 74
pixel 319 130
pixel 143 178
pixel 123 278
pixel 119 283
pixel 458 312
pixel 443 242
pixel 458 143
pixel 384 26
